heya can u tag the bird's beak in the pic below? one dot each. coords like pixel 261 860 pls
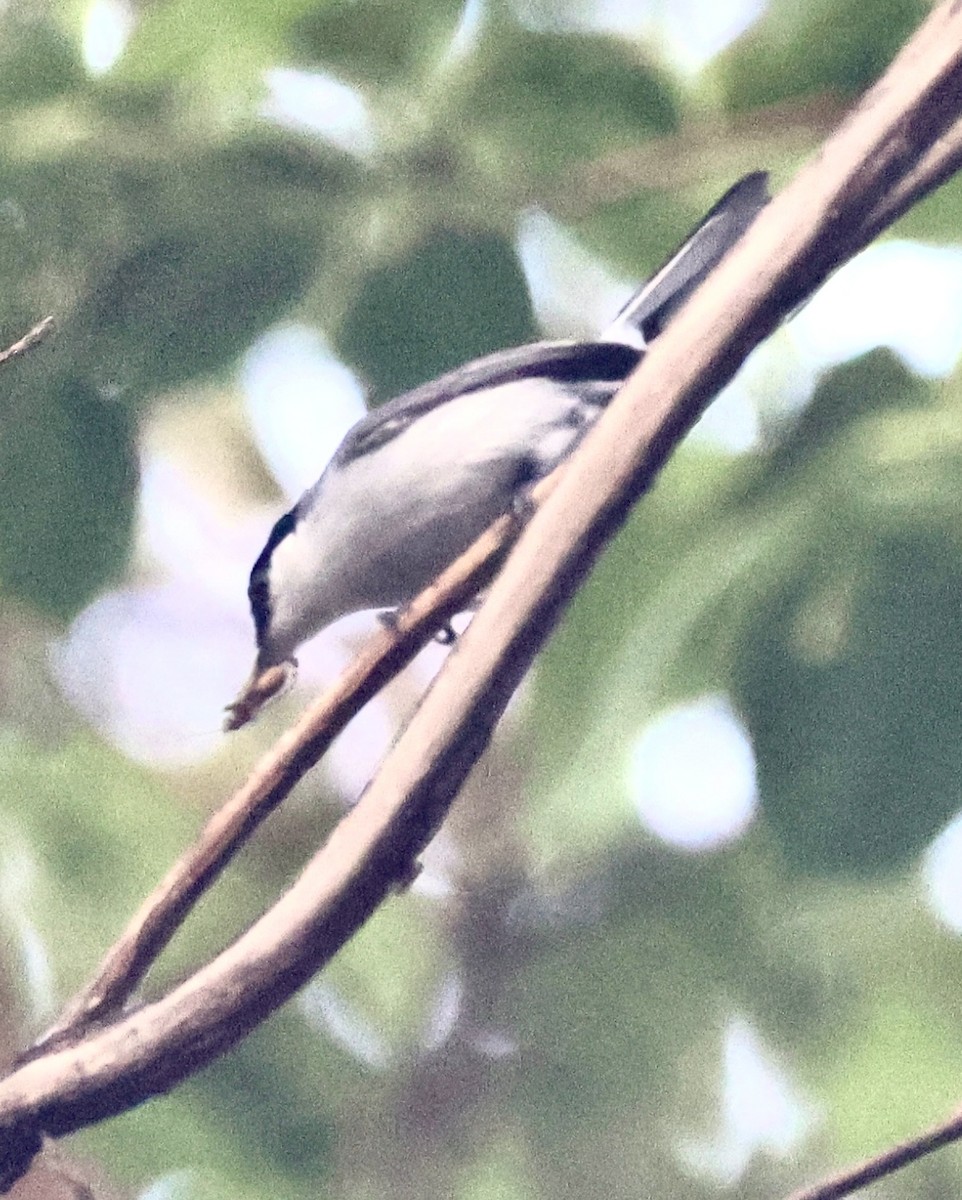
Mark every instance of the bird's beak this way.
pixel 264 684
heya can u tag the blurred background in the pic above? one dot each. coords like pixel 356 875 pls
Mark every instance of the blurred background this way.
pixel 694 927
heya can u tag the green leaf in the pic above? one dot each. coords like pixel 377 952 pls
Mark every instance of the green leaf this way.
pixel 774 61
pixel 68 482
pixel 874 382
pixel 850 690
pixel 936 218
pixel 656 623
pixel 547 100
pixel 86 835
pixel 895 1076
pixel 159 270
pixel 453 297
pixel 184 305
pixel 91 825
pixel 845 672
pixel 375 41
pixel 226 48
pixel 37 62
pixel 217 257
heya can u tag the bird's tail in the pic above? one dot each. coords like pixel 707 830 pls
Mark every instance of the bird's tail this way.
pixel 653 306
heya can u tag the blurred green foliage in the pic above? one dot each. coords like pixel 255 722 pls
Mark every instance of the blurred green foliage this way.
pixel 554 1026
pixel 855 44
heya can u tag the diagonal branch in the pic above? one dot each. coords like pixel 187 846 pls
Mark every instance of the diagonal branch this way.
pixel 302 747
pixel 853 1179
pixel 829 212
pixel 167 907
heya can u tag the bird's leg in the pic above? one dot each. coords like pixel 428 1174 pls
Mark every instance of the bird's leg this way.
pixel 523 506
pixel 388 618
pixel 445 636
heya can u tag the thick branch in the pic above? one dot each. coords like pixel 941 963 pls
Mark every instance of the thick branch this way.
pixel 162 913
pixel 166 908
pixel 824 217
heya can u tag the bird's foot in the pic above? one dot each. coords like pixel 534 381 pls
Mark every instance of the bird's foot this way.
pixel 445 636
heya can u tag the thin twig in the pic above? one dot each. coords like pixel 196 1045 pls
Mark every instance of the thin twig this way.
pixel 28 341
pixel 852 1179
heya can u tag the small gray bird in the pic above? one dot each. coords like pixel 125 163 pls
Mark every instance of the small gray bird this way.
pixel 420 477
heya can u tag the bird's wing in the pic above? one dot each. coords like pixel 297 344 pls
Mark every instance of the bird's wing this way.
pixel 564 362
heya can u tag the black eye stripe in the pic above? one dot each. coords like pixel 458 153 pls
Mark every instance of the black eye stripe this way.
pixel 258 590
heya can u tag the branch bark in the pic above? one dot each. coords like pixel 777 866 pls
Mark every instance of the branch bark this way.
pixel 901 141
pixel 302 747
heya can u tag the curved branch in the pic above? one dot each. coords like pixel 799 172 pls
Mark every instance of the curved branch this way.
pixel 825 216
pixel 165 909
pixel 300 748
